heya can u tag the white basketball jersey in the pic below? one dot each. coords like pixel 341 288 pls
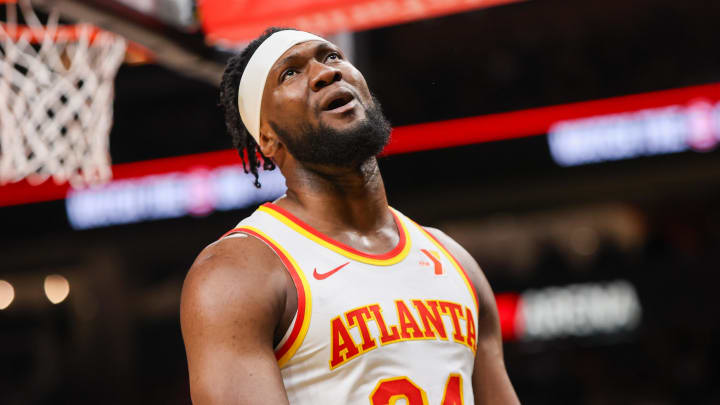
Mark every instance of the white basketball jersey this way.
pixel 396 328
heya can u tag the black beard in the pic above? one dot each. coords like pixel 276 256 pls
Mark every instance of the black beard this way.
pixel 347 148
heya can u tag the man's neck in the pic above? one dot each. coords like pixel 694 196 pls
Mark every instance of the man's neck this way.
pixel 338 200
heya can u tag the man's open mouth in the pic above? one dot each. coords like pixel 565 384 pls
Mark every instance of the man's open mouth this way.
pixel 338 101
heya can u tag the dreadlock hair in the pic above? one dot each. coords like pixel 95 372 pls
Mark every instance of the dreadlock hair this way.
pixel 250 153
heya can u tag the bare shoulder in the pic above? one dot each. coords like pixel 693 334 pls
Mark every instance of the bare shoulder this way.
pixel 231 274
pixel 239 256
pixel 472 268
pixel 466 260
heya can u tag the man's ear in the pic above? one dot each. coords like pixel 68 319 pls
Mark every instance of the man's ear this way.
pixel 269 142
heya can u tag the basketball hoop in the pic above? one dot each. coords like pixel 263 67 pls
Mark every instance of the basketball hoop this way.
pixel 56 98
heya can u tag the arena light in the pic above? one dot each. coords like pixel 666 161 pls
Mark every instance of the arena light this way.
pixel 56 288
pixel 7 294
pixel 405 139
pixel 576 310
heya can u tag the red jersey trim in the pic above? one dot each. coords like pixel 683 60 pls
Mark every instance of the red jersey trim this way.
pixel 390 257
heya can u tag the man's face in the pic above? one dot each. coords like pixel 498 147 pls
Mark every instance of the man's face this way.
pixel 320 107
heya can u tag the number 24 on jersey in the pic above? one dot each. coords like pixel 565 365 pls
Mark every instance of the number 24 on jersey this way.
pixel 389 390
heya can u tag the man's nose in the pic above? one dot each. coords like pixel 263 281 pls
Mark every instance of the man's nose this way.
pixel 324 75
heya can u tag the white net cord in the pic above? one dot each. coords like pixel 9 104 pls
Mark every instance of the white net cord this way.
pixel 56 100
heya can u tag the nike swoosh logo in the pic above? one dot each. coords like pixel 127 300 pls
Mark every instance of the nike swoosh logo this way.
pixel 323 276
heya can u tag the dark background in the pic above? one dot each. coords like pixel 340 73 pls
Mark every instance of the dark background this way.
pixel 116 339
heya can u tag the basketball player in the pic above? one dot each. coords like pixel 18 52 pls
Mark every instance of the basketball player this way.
pixel 328 295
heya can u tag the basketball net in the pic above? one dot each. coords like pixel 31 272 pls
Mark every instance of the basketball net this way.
pixel 56 98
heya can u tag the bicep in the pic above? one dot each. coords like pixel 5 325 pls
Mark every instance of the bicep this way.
pixel 491 384
pixel 227 323
pixel 221 374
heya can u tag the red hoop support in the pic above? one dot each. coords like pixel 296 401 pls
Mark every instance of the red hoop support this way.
pixel 135 53
pixel 63 33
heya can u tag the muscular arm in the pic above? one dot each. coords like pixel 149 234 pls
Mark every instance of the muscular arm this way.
pixel 490 381
pixel 232 301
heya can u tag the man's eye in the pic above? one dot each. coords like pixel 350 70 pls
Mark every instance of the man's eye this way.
pixel 333 56
pixel 288 73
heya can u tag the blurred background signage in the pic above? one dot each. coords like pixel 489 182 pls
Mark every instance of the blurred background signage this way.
pixel 648 132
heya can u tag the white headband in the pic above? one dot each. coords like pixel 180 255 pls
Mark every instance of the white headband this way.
pixel 252 83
